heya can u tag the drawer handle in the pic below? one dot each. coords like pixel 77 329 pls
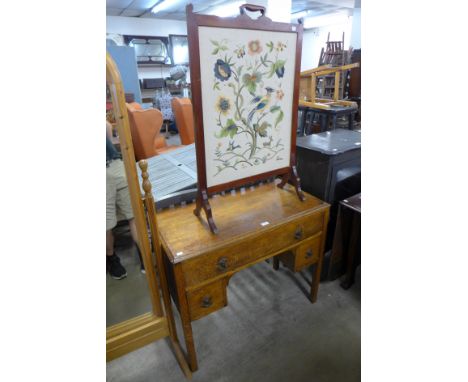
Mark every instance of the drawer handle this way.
pixel 207 301
pixel 222 263
pixel 308 254
pixel 298 234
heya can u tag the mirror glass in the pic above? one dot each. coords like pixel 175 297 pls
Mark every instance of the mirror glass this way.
pixel 127 292
pixel 150 50
pixel 180 52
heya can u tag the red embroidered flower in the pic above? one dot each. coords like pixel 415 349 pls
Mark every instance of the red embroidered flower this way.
pixel 254 47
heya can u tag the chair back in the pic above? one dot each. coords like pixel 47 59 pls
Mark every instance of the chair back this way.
pixel 145 126
pixel 183 112
pixel 133 106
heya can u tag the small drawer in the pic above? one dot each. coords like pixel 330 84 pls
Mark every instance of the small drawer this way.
pixel 207 299
pixel 306 253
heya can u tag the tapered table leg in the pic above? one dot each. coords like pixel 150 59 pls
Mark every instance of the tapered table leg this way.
pixel 185 318
pixel 275 263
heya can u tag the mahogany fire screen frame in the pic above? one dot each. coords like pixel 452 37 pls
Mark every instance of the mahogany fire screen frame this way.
pixel 245 89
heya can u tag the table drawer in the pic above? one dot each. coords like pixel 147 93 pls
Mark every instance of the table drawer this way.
pixel 307 253
pixel 207 299
pixel 248 250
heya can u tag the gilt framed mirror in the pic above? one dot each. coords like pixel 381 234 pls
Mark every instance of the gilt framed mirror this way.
pixel 126 333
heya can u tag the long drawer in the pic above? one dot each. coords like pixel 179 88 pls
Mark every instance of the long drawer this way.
pixel 246 251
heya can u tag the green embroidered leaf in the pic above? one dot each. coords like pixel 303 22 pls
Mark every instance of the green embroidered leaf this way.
pixel 231 127
pixel 251 87
pixel 232 132
pixel 262 130
pixel 280 63
pixel 275 108
pixel 239 70
pixel 215 51
pixel 215 43
pixel 241 99
pixel 272 71
pixel 279 118
pixel 222 134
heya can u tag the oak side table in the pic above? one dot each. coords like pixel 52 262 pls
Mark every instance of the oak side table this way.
pixel 255 224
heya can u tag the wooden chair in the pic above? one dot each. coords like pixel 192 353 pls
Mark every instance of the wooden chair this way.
pixel 145 127
pixel 183 112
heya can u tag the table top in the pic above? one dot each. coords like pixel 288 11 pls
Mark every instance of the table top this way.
pixel 236 214
pixel 334 109
pixel 354 202
pixel 332 142
pixel 172 172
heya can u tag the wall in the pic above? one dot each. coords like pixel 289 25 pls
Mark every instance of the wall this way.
pixel 356 34
pixel 146 27
pixel 124 57
pixel 314 40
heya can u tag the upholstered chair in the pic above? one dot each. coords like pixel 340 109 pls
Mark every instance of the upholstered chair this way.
pixel 145 126
pixel 183 111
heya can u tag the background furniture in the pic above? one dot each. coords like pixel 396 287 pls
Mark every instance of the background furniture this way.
pixel 334 54
pixel 346 250
pixel 355 82
pixel 174 176
pixel 150 50
pixel 145 126
pixel 254 225
pixel 183 112
pixel 308 87
pixel 325 115
pixel 162 101
pixel 329 166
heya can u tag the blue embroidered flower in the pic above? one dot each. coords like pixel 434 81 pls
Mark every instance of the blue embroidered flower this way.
pixel 222 70
pixel 280 71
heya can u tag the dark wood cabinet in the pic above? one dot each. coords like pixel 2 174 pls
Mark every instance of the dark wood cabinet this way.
pixel 329 166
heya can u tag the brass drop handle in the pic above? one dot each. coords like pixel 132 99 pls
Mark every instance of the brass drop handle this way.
pixel 207 301
pixel 222 263
pixel 308 254
pixel 298 233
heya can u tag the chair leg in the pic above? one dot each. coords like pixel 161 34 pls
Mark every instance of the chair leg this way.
pixel 323 122
pixel 333 122
pixel 350 121
pixel 167 129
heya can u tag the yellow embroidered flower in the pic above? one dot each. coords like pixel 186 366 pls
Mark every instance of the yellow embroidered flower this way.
pixel 254 47
pixel 223 105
